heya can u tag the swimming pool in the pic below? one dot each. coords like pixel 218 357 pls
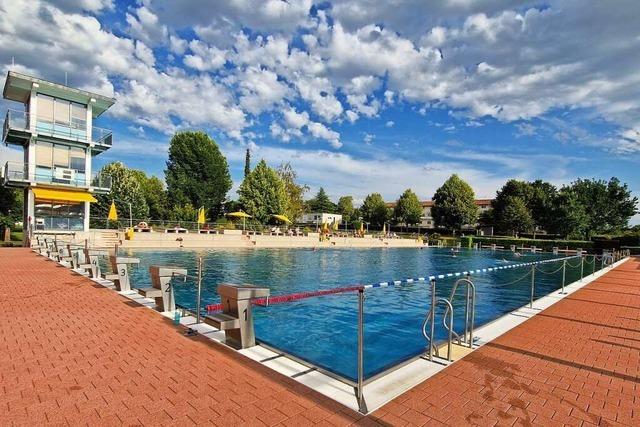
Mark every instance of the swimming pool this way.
pixel 323 330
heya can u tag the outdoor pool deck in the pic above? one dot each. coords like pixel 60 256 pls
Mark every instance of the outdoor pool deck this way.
pixel 74 352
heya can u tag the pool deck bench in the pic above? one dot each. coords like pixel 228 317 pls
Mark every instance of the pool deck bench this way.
pixel 75 352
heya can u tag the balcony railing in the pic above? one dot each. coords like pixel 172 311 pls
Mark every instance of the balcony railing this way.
pixel 101 136
pixel 76 130
pixel 18 173
pixel 15 120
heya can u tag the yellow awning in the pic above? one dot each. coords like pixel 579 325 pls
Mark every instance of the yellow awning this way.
pixel 63 195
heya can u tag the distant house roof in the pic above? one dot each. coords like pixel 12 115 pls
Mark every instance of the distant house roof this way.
pixel 430 203
pixel 17 87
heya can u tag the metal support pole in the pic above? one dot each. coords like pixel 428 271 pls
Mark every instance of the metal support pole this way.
pixel 433 318
pixel 533 284
pixel 199 290
pixel 593 267
pixel 564 274
pixel 360 395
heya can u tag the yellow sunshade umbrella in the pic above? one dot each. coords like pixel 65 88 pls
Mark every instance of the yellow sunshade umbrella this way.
pixel 201 218
pixel 362 228
pixel 282 218
pixel 113 214
pixel 335 225
pixel 240 214
pixel 384 228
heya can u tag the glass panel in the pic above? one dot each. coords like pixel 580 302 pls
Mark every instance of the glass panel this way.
pixel 42 208
pixel 60 209
pixel 61 111
pixel 44 154
pixel 45 108
pixel 77 159
pixel 79 119
pixel 61 156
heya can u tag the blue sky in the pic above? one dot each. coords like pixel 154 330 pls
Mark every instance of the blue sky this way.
pixel 359 96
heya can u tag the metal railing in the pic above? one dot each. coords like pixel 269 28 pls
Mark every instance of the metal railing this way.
pixel 15 120
pixel 17 172
pixel 75 130
pixel 101 136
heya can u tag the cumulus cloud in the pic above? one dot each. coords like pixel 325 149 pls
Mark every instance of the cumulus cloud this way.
pixel 506 59
pixel 144 25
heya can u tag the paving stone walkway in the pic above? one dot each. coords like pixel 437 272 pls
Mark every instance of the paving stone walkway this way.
pixel 75 353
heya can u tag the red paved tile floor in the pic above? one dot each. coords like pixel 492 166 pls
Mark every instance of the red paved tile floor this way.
pixel 72 352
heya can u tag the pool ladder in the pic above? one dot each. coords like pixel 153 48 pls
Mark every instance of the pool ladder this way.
pixel 469 316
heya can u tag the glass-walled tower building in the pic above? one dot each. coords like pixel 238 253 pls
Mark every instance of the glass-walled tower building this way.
pixel 55 129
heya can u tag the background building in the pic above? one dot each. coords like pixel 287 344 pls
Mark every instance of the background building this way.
pixel 318 218
pixel 55 129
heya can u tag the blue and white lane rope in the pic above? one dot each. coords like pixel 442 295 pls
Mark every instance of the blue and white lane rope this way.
pixel 464 273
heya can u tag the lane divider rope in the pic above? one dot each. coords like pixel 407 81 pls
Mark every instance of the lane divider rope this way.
pixel 277 299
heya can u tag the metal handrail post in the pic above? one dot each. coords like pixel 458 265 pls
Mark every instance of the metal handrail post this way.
pixel 466 312
pixel 533 284
pixel 360 348
pixel 198 302
pixel 593 267
pixel 581 268
pixel 564 274
pixel 433 317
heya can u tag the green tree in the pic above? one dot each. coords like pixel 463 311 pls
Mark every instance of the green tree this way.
pixel 247 163
pixel 125 190
pixel 184 213
pixel 321 203
pixel 374 210
pixel 454 204
pixel 154 194
pixel 541 202
pixel 408 209
pixel 262 193
pixel 294 192
pixel 197 172
pixel 346 209
pixel 516 217
pixel 609 205
pixel 570 215
pixel 538 197
pixel 11 206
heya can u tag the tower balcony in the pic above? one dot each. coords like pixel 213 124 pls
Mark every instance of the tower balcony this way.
pixel 17 130
pixel 17 174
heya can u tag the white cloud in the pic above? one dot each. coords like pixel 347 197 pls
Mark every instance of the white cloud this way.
pixel 177 45
pixel 390 123
pixel 144 54
pixel 260 90
pixel 144 25
pixel 297 122
pixel 94 6
pixel 203 57
pixel 368 138
pixel 506 59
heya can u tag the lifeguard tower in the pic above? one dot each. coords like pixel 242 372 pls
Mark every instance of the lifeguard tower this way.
pixel 55 129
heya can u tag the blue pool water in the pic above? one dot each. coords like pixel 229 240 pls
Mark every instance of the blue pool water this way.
pixel 323 330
